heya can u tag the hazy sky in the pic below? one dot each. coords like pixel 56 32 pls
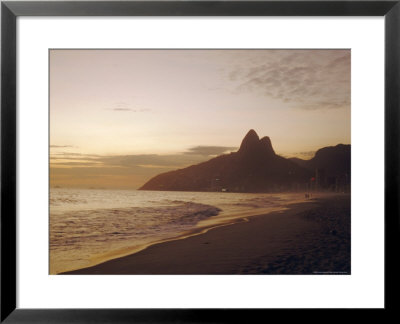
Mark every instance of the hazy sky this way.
pixel 118 117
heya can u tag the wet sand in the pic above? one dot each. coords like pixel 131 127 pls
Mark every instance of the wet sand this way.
pixel 308 238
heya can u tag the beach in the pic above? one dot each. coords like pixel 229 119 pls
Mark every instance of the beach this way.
pixel 312 237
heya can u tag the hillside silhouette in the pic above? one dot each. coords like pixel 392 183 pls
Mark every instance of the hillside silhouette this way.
pixel 254 168
pixel 335 160
pixel 331 167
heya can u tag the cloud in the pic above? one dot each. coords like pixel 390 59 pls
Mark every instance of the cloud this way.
pixel 123 106
pixel 306 154
pixel 122 109
pixel 172 161
pixel 306 79
pixel 120 171
pixel 73 155
pixel 77 164
pixel 61 146
pixel 129 109
pixel 210 150
pixel 193 155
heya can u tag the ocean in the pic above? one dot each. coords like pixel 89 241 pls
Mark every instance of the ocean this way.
pixel 90 226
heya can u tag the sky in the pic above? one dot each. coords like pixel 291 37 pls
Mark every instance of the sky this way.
pixel 120 117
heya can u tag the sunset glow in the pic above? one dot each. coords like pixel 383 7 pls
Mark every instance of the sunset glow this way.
pixel 119 117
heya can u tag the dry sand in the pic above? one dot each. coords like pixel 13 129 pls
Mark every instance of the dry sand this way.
pixel 308 238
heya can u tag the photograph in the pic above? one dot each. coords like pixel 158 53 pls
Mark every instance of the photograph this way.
pixel 200 161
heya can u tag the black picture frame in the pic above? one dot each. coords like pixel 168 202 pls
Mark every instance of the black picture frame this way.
pixel 10 10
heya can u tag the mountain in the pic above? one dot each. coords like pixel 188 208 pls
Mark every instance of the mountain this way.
pixel 253 168
pixel 335 160
pixel 331 166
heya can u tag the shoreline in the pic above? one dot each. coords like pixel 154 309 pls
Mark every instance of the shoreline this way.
pixel 290 241
pixel 222 219
pixel 123 252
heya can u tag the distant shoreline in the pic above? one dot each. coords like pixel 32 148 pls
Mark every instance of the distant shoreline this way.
pixel 307 238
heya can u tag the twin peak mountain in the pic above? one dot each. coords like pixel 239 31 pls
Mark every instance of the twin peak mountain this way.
pixel 254 168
